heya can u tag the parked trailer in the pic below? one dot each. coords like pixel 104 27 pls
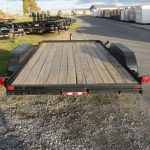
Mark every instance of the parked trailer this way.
pixel 96 13
pixel 38 26
pixel 127 14
pixel 58 24
pixel 122 15
pixel 142 14
pixel 107 13
pixel 72 68
pixel 6 32
pixel 132 14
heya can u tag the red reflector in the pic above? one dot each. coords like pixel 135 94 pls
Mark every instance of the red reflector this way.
pixel 146 79
pixel 11 88
pixel 74 93
pixel 2 81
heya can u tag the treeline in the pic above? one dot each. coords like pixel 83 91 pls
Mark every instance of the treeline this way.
pixel 29 6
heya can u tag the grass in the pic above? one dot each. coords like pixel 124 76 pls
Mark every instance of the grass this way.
pixel 6 46
pixel 74 26
pixel 23 20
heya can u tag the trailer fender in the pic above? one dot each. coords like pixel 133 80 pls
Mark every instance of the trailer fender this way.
pixel 18 55
pixel 124 55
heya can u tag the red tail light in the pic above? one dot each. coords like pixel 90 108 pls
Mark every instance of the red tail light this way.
pixel 145 79
pixel 11 88
pixel 2 81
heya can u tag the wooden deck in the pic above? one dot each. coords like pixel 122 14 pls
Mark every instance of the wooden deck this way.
pixel 72 63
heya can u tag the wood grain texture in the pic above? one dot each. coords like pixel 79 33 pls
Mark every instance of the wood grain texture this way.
pixel 55 70
pixel 71 76
pixel 78 65
pixel 64 65
pixel 21 78
pixel 121 70
pixel 86 68
pixel 42 78
pixel 108 65
pixel 106 77
pixel 72 63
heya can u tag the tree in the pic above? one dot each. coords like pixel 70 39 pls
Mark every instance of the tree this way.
pixel 1 13
pixel 25 7
pixel 30 6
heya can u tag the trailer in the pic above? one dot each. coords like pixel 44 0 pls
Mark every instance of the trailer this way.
pixel 72 68
pixel 122 15
pixel 127 14
pixel 132 14
pixel 52 24
pixel 142 14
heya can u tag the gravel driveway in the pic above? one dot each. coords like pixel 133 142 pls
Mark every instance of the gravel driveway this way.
pixel 95 122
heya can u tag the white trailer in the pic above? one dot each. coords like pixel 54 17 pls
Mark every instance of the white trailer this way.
pixel 107 13
pixel 123 15
pixel 96 12
pixel 132 14
pixel 142 14
pixel 127 14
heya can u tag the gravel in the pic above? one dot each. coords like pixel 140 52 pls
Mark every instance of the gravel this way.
pixel 104 121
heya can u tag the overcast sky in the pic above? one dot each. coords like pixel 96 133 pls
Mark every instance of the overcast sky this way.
pixel 64 5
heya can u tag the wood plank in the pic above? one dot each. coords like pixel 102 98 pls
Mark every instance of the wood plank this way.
pixel 100 66
pixel 71 76
pixel 108 65
pixel 28 67
pixel 42 78
pixel 92 65
pixel 78 65
pixel 33 75
pixel 123 72
pixel 54 72
pixel 64 66
pixel 85 65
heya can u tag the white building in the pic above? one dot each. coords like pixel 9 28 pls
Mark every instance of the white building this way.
pixel 96 9
pixel 82 11
pixel 142 14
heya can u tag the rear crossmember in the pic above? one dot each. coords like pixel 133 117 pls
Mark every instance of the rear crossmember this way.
pixel 11 89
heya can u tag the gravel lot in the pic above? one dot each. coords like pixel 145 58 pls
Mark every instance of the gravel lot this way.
pixel 95 122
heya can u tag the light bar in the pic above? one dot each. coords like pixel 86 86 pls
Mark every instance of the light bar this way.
pixel 74 93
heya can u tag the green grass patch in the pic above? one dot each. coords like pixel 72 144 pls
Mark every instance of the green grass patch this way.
pixel 23 20
pixel 74 26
